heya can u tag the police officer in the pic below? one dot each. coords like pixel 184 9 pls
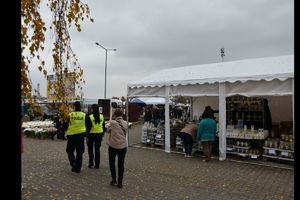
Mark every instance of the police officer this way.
pixel 76 131
pixel 94 136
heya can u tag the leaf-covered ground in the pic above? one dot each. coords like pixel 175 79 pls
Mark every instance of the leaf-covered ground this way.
pixel 149 174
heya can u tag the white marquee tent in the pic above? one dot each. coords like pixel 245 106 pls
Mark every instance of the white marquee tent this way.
pixel 154 100
pixel 269 76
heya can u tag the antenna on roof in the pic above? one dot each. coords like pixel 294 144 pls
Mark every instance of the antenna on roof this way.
pixel 222 53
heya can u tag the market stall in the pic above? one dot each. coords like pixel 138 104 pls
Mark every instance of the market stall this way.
pixel 268 77
pixel 39 129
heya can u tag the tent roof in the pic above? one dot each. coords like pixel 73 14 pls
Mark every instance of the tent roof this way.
pixel 153 100
pixel 268 68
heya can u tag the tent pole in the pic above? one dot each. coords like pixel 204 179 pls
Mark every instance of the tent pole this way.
pixel 222 121
pixel 191 109
pixel 293 108
pixel 167 120
pixel 127 119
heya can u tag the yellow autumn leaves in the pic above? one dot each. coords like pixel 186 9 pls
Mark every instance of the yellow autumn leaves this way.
pixel 33 28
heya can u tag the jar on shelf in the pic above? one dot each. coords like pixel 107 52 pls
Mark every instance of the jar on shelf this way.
pixel 292 146
pixel 292 156
pixel 281 145
pixel 287 145
pixel 273 144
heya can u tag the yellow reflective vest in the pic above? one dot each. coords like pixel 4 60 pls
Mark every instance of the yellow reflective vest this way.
pixel 76 123
pixel 97 128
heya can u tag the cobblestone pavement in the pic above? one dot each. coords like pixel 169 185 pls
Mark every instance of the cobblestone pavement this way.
pixel 149 174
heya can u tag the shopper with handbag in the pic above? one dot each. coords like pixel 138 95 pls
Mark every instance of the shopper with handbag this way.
pixel 117 143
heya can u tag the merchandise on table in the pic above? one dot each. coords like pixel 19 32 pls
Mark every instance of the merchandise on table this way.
pixel 39 129
pixel 280 148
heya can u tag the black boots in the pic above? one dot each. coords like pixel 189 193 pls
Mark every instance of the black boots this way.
pixel 92 166
pixel 113 183
pixel 120 185
pixel 75 168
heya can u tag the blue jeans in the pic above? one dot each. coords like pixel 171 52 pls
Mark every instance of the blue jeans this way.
pixel 188 143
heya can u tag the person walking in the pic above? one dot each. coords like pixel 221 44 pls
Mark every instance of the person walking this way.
pixel 95 131
pixel 117 146
pixel 148 114
pixel 267 117
pixel 206 132
pixel 187 134
pixel 76 131
pixel 156 119
pixel 60 129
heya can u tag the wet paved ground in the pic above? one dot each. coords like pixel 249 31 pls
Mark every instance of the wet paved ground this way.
pixel 149 174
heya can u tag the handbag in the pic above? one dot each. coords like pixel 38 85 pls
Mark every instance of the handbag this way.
pixel 123 129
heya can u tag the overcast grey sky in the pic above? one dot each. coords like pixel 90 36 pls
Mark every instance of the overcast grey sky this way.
pixel 158 34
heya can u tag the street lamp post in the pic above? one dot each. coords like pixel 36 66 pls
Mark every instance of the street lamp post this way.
pixel 105 64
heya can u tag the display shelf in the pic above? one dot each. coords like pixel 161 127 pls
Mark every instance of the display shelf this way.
pixel 289 159
pixel 278 157
pixel 242 154
pixel 245 138
pixel 252 156
pixel 230 149
pixel 286 150
pixel 231 152
pixel 248 147
pixel 247 110
pixel 269 156
pixel 270 148
pixel 244 111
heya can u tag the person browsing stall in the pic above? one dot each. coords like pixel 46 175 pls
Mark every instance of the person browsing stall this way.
pixel 187 134
pixel 206 132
